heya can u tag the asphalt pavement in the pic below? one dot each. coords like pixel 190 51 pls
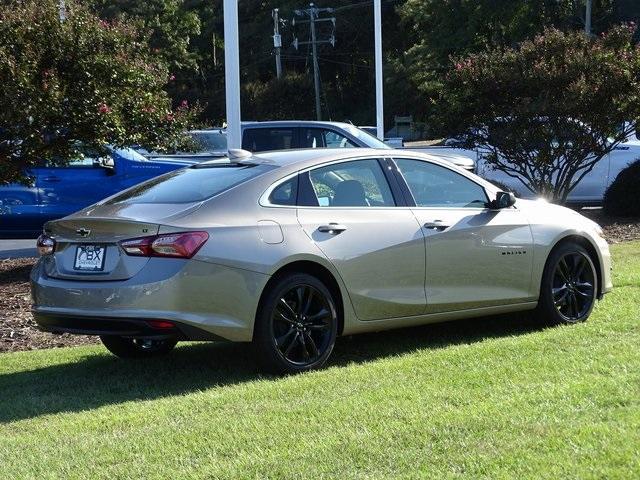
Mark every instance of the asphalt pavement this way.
pixel 18 248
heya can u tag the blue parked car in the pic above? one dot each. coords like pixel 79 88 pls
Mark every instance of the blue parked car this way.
pixel 60 191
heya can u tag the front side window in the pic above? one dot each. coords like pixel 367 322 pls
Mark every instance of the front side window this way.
pixel 359 183
pixel 267 139
pixel 323 138
pixel 435 186
pixel 337 140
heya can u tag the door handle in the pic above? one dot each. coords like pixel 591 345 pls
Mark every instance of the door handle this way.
pixel 436 225
pixel 51 179
pixel 332 228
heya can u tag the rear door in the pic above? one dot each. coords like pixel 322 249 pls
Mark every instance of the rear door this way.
pixel 475 257
pixel 349 211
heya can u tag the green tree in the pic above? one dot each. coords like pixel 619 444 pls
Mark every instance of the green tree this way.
pixel 546 111
pixel 84 81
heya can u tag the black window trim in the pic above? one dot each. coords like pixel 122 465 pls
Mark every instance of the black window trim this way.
pixel 409 196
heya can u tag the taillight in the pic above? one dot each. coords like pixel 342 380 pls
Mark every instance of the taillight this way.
pixel 174 245
pixel 45 245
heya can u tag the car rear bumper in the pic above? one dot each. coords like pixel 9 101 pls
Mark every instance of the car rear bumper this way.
pixel 125 327
pixel 203 300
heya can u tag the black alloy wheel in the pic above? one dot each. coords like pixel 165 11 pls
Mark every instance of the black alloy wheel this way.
pixel 569 286
pixel 573 286
pixel 296 327
pixel 301 323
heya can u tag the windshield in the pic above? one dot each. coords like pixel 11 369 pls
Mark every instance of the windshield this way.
pixel 190 185
pixel 210 141
pixel 367 138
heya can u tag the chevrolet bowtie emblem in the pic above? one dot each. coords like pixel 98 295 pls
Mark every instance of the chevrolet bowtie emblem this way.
pixel 83 232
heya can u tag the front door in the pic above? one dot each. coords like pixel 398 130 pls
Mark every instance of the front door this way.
pixel 376 246
pixel 476 257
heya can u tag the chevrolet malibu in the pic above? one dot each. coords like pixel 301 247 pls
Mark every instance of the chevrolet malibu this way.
pixel 290 249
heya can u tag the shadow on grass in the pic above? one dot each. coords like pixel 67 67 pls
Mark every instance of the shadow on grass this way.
pixel 97 380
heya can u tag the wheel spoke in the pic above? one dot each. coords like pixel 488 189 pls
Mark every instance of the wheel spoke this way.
pixel 300 295
pixel 308 301
pixel 321 315
pixel 559 290
pixel 563 269
pixel 574 305
pixel 319 327
pixel 562 300
pixel 579 268
pixel 280 341
pixel 303 344
pixel 292 343
pixel 312 344
pixel 288 309
pixel 285 318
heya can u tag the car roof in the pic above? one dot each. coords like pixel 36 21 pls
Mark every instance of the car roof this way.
pixel 299 159
pixel 295 123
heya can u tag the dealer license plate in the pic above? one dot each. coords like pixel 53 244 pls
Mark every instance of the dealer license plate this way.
pixel 89 258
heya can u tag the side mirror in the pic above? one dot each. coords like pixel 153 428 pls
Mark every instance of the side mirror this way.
pixel 107 163
pixel 504 200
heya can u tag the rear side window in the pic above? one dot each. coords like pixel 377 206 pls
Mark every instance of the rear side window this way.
pixel 266 139
pixel 191 185
pixel 286 193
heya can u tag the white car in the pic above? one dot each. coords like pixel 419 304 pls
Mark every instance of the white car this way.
pixel 590 191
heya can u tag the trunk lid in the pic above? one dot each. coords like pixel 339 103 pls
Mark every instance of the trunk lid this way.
pixel 96 237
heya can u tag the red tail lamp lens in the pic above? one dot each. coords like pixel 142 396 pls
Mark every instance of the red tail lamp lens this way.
pixel 174 245
pixel 160 324
pixel 45 245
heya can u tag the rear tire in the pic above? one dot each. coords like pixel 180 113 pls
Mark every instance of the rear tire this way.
pixel 569 286
pixel 124 347
pixel 296 325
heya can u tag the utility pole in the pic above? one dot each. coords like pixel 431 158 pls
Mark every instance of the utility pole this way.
pixel 313 13
pixel 316 68
pixel 587 17
pixel 277 41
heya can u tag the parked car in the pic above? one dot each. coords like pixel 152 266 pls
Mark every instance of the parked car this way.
pixel 290 249
pixel 393 142
pixel 589 191
pixel 59 191
pixel 211 143
pixel 290 134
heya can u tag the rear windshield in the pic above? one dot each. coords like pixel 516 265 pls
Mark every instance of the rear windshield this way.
pixel 190 185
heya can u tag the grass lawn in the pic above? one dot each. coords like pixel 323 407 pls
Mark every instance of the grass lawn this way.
pixel 488 398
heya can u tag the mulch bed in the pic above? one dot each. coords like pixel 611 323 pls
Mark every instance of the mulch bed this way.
pixel 18 330
pixel 616 229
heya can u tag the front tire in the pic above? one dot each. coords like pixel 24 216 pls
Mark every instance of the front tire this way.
pixel 569 285
pixel 296 325
pixel 124 347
